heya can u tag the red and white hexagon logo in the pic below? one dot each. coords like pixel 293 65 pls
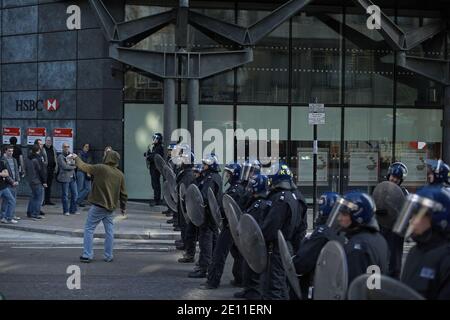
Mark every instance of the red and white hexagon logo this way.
pixel 51 104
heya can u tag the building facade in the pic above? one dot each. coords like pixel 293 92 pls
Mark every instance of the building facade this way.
pixel 377 112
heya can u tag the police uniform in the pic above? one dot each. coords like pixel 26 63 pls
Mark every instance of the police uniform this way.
pixel 365 247
pixel 154 173
pixel 308 252
pixel 427 267
pixel 225 244
pixel 207 235
pixel 284 215
pixel 184 177
pixel 258 209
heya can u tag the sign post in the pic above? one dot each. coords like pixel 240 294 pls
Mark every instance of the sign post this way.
pixel 316 116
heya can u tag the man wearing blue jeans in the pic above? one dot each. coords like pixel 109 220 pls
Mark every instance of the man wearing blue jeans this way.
pixel 108 190
pixel 6 196
pixel 68 181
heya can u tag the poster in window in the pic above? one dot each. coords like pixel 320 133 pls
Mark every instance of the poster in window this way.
pixel 305 167
pixel 364 168
pixel 417 169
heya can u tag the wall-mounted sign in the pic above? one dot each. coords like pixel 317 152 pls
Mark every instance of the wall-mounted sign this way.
pixel 9 133
pixel 50 105
pixel 305 167
pixel 61 136
pixel 417 169
pixel 35 133
pixel 364 168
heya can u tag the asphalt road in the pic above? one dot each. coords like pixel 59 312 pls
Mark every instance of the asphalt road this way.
pixel 34 267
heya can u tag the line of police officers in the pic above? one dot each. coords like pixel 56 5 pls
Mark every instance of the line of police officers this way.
pixel 274 201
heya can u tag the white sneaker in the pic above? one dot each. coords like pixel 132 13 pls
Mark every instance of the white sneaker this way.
pixel 77 213
pixel 13 221
pixel 17 218
pixel 67 214
pixel 4 220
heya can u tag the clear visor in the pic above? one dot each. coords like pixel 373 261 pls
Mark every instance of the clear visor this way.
pixel 248 170
pixel 415 207
pixel 341 206
pixel 226 176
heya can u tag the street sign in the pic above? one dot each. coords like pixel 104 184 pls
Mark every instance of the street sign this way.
pixel 8 133
pixel 316 113
pixel 316 118
pixel 35 133
pixel 61 136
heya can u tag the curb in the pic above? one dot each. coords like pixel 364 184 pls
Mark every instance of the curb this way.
pixel 80 234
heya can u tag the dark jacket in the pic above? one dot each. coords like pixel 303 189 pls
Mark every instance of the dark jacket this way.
pixel 150 155
pixel 12 171
pixel 36 172
pixel 427 268
pixel 365 248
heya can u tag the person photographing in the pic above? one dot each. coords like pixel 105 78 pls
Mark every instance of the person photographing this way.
pixel 108 191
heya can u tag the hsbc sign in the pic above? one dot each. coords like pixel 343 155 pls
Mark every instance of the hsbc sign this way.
pixel 50 105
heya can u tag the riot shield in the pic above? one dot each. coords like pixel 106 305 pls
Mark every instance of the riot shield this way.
pixel 228 200
pixel 182 201
pixel 288 265
pixel 171 178
pixel 233 221
pixel 159 163
pixel 168 196
pixel 331 274
pixel 214 208
pixel 389 200
pixel 195 207
pixel 380 287
pixel 252 243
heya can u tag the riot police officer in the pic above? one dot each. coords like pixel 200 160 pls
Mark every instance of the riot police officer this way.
pixel 185 176
pixel 191 231
pixel 231 177
pixel 285 214
pixel 208 231
pixel 426 218
pixel 306 256
pixel 258 187
pixel 437 173
pixel 397 172
pixel 354 213
pixel 155 175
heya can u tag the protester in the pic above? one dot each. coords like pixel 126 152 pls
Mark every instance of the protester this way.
pixel 37 179
pixel 52 168
pixel 68 181
pixel 84 179
pixel 44 160
pixel 13 179
pixel 17 154
pixel 108 190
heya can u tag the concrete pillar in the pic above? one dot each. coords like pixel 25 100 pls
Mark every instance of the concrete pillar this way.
pixel 193 93
pixel 170 111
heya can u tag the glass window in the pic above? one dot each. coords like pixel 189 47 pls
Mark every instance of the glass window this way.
pixel 266 79
pixel 418 137
pixel 368 147
pixel 367 79
pixel 264 119
pixel 141 122
pixel 301 158
pixel 316 58
pixel 213 117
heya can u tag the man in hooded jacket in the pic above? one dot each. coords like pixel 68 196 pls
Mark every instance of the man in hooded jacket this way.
pixel 108 190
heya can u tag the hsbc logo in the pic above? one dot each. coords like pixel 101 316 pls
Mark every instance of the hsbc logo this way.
pixel 50 105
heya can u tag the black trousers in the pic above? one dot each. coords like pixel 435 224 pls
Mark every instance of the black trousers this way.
pixel 223 246
pixel 156 184
pixel 190 239
pixel 251 281
pixel 273 279
pixel 48 190
pixel 207 237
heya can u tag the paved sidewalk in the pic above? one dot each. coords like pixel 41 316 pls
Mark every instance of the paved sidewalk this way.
pixel 142 222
